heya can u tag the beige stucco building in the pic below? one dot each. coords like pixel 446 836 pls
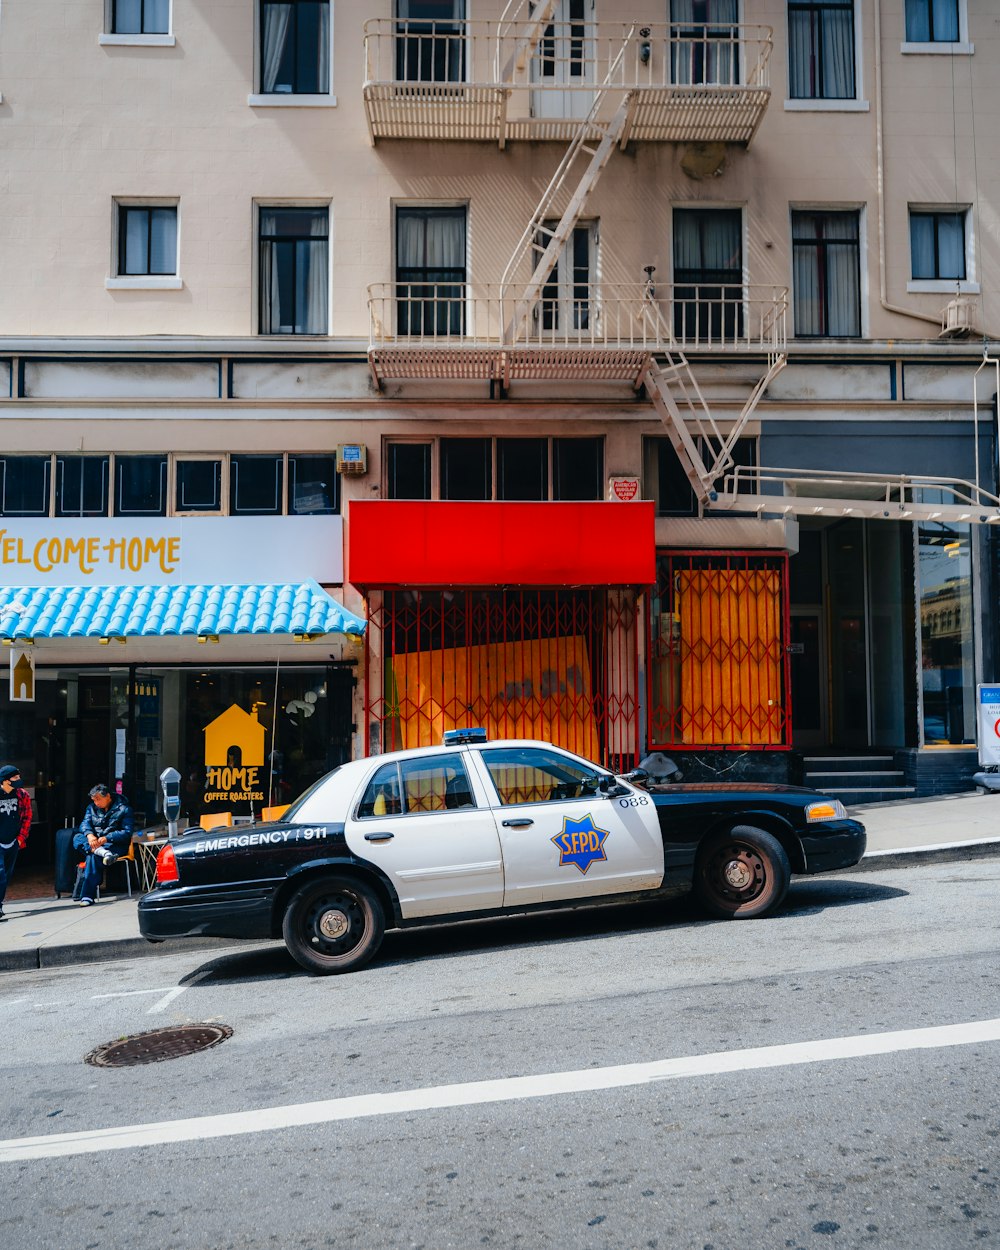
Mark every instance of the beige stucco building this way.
pixel 281 260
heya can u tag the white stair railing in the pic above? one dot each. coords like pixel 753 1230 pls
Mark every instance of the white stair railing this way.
pixel 547 253
pixel 526 41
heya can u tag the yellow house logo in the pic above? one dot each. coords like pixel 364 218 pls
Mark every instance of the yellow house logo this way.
pixel 22 677
pixel 234 755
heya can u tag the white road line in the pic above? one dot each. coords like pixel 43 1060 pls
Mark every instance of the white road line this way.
pixel 176 992
pixel 19 1149
pixel 160 989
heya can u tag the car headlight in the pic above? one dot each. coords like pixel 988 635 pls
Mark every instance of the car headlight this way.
pixel 826 809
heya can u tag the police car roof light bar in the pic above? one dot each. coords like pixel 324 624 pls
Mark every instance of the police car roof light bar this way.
pixel 462 737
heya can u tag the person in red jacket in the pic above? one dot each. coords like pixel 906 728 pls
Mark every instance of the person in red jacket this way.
pixel 15 823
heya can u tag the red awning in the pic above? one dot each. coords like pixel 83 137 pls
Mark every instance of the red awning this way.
pixel 415 543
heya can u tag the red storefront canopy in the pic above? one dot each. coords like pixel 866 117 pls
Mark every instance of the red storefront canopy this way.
pixel 394 543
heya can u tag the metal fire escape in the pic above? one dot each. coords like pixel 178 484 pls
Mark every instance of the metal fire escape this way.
pixel 500 339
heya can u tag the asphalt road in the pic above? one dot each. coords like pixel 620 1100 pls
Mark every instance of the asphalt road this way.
pixel 862 1139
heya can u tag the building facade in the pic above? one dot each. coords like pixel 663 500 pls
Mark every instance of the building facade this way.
pixel 633 380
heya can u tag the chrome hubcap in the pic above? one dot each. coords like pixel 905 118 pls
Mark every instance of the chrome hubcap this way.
pixel 333 924
pixel 738 875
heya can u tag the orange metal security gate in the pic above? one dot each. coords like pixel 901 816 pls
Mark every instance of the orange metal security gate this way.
pixel 560 665
pixel 719 665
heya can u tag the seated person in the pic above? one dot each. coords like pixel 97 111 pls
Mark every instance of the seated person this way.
pixel 105 833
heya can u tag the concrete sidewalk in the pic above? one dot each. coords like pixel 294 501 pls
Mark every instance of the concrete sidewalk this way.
pixel 46 933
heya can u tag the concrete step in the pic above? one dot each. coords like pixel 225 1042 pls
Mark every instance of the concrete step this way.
pixel 870 794
pixel 845 763
pixel 854 780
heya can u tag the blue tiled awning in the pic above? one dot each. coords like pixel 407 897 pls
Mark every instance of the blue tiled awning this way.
pixel 172 611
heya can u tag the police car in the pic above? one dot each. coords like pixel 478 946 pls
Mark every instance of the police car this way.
pixel 475 828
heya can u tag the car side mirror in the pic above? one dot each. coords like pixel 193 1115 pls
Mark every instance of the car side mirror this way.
pixel 611 787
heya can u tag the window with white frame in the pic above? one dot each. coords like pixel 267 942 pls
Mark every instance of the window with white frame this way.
pixel 295 47
pixel 430 270
pixel 821 50
pixel 294 270
pixel 139 17
pixel 934 21
pixel 147 240
pixel 704 42
pixel 939 244
pixel 430 40
pixel 826 273
pixel 568 296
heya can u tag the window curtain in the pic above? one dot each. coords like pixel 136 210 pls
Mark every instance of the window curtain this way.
pixel 294 272
pixel 930 21
pixel 277 18
pixel 704 46
pixel 163 241
pixel 430 265
pixel 825 275
pixel 950 259
pixel 821 51
pixel 323 50
pixel 708 240
pixel 136 242
pixel 157 17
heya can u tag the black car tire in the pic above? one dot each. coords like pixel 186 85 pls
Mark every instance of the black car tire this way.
pixel 333 924
pixel 742 874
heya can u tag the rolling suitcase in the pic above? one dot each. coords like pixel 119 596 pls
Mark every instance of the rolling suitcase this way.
pixel 66 862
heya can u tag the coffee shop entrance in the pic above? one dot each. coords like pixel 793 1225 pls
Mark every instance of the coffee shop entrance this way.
pixel 243 737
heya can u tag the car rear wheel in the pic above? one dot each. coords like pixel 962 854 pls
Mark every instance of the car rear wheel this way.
pixel 742 874
pixel 333 925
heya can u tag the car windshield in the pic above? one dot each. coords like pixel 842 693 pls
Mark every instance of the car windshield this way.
pixel 290 813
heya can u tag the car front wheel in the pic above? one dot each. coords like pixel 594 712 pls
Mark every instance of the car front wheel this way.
pixel 742 874
pixel 334 924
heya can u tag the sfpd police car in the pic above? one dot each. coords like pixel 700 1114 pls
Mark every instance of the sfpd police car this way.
pixel 474 828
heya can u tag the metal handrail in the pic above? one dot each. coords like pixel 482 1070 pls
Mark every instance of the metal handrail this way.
pixel 710 318
pixel 575 56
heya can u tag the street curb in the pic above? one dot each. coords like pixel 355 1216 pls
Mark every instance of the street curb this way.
pixel 34 958
pixel 914 856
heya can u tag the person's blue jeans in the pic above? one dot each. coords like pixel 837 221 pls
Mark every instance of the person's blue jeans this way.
pixel 8 858
pixel 94 865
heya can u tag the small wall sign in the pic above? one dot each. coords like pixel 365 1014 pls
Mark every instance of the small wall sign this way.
pixel 623 489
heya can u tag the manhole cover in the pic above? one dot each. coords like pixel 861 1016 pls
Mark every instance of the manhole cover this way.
pixel 157 1045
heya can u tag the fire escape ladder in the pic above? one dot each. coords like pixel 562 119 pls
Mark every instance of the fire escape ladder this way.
pixel 525 44
pixel 724 459
pixel 542 243
pixel 681 407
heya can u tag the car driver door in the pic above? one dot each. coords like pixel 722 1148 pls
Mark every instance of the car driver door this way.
pixel 426 822
pixel 561 837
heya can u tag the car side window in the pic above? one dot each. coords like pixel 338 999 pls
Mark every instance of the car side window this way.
pixel 382 797
pixel 534 775
pixel 438 783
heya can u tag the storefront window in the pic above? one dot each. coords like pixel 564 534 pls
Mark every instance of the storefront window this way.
pixel 140 486
pixel 24 481
pixel 947 667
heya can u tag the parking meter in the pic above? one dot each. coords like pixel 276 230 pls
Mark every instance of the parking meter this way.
pixel 170 784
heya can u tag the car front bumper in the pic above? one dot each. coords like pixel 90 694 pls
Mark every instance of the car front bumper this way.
pixel 836 844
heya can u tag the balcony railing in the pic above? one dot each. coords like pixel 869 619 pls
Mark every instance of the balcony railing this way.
pixel 688 82
pixel 596 330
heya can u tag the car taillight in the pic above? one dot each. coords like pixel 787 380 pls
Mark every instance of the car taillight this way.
pixel 166 866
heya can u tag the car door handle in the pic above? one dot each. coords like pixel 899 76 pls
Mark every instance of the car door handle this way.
pixel 520 823
pixel 379 837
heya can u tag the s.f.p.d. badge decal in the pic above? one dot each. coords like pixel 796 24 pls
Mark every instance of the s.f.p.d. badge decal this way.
pixel 581 842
